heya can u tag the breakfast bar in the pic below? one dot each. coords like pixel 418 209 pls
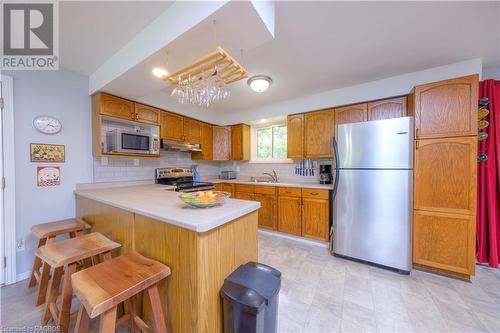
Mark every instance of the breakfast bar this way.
pixel 201 246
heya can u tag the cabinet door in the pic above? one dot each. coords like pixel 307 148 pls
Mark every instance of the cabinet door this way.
pixel 295 136
pixel 172 126
pixel 445 175
pixel 244 195
pixel 207 148
pixel 387 109
pixel 192 130
pixel 222 143
pixel 290 215
pixel 319 133
pixel 147 114
pixel 229 188
pixel 351 114
pixel 267 211
pixel 116 107
pixel 240 142
pixel 444 241
pixel 315 218
pixel 218 187
pixel 446 108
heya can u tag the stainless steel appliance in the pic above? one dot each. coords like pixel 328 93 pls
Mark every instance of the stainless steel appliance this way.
pixel 227 175
pixel 143 140
pixel 325 174
pixel 373 192
pixel 180 146
pixel 182 179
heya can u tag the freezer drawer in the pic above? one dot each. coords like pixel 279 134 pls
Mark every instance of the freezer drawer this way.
pixel 372 216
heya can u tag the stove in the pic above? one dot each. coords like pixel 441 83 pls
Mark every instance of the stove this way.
pixel 182 179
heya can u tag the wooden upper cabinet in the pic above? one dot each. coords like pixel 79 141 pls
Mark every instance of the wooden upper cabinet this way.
pixel 221 143
pixel 445 175
pixel 444 241
pixel 172 126
pixel 351 114
pixel 295 136
pixel 116 107
pixel 447 108
pixel 192 130
pixel 207 148
pixel 319 131
pixel 147 114
pixel 240 142
pixel 387 109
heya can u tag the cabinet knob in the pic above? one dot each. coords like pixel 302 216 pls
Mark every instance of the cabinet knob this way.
pixel 314 193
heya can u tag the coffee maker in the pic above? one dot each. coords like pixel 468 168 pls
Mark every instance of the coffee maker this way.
pixel 325 174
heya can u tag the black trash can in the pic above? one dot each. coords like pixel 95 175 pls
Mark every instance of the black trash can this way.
pixel 250 299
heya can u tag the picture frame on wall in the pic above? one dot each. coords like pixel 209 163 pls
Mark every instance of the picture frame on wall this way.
pixel 48 176
pixel 50 153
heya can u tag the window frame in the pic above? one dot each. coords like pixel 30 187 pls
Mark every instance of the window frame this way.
pixel 254 129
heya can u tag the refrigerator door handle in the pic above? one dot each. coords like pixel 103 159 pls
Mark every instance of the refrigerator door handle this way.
pixel 337 168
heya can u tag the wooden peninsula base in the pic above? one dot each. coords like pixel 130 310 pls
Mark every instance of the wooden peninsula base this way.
pixel 199 261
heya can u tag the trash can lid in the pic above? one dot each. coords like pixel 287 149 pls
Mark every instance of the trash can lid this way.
pixel 252 285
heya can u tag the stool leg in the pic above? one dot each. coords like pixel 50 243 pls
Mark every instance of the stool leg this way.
pixel 54 292
pixel 44 282
pixel 82 320
pixel 108 321
pixel 36 264
pixel 132 308
pixel 156 309
pixel 66 296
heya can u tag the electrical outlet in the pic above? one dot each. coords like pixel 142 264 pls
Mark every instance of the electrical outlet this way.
pixel 136 162
pixel 104 160
pixel 20 245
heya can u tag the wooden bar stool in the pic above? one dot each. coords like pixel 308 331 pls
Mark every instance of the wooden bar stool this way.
pixel 103 287
pixel 45 233
pixel 63 257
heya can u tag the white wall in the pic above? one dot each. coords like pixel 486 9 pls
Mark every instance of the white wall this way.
pixel 392 86
pixel 62 94
pixel 491 73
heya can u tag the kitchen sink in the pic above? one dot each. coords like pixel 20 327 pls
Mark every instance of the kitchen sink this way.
pixel 260 180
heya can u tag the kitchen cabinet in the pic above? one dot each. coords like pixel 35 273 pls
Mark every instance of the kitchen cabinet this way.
pixel 446 108
pixel 192 131
pixel 172 126
pixel 319 131
pixel 387 109
pixel 445 175
pixel 295 136
pixel 206 144
pixel 315 214
pixel 115 107
pixel 268 211
pixel 147 114
pixel 445 242
pixel 240 142
pixel 290 215
pixel 351 114
pixel 221 143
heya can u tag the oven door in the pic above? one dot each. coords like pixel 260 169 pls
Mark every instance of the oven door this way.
pixel 135 142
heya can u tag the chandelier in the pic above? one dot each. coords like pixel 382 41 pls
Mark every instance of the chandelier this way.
pixel 206 80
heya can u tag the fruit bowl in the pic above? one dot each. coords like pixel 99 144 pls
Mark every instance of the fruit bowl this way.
pixel 204 199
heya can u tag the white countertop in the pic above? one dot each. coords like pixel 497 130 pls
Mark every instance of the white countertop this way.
pixel 280 184
pixel 155 201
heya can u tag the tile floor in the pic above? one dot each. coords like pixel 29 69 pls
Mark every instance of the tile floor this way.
pixel 321 293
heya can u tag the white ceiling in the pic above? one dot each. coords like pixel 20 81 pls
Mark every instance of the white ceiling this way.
pixel 318 46
pixel 92 31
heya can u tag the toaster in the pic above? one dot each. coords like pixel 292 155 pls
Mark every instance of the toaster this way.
pixel 227 175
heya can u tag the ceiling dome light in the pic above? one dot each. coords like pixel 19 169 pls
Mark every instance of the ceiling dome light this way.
pixel 259 83
pixel 159 72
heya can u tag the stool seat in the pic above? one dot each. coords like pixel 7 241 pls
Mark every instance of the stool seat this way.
pixel 107 284
pixel 52 229
pixel 75 249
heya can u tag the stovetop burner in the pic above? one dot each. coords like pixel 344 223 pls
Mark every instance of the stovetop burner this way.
pixel 182 179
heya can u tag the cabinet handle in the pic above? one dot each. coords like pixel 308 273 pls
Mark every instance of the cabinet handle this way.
pixel 314 193
pixel 132 115
pixel 416 145
pixel 416 132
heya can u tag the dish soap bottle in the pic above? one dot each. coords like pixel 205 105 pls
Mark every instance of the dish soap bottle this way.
pixel 196 174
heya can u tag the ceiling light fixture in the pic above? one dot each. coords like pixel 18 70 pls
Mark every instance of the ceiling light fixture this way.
pixel 259 83
pixel 160 72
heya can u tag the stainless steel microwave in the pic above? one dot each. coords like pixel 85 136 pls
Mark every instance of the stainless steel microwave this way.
pixel 123 141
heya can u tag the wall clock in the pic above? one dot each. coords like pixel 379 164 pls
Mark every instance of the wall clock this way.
pixel 47 124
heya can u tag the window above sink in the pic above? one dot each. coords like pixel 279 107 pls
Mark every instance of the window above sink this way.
pixel 269 143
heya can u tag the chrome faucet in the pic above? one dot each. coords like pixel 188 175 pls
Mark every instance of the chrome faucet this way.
pixel 274 176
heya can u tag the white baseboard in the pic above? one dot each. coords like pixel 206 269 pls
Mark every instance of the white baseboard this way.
pixel 23 276
pixel 294 238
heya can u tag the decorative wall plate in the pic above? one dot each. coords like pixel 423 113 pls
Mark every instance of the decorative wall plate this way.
pixel 482 113
pixel 481 136
pixel 483 124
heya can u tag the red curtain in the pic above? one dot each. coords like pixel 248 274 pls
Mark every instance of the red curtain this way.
pixel 488 208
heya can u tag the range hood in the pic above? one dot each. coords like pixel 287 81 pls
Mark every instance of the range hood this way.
pixel 180 146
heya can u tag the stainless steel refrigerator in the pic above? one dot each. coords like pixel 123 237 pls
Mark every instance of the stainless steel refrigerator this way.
pixel 372 201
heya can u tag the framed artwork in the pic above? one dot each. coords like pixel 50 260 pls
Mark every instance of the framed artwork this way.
pixel 48 176
pixel 41 152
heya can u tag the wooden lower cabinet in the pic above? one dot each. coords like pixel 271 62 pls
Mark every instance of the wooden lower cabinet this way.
pixel 290 215
pixel 445 242
pixel 244 195
pixel 315 217
pixel 268 211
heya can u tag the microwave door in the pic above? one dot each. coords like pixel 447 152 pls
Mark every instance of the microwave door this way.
pixel 136 142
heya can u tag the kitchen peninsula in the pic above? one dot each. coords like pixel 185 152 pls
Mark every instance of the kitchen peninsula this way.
pixel 201 246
